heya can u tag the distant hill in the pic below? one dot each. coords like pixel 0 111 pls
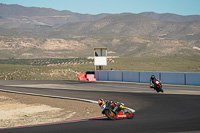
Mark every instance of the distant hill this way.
pixel 31 32
pixel 171 17
pixel 119 24
pixel 16 16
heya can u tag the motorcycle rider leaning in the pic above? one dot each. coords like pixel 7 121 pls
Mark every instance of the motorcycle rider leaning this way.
pixel 117 105
pixel 152 79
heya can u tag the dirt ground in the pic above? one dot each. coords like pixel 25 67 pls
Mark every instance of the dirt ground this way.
pixel 21 110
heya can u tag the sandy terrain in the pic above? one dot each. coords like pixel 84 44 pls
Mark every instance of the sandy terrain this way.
pixel 21 110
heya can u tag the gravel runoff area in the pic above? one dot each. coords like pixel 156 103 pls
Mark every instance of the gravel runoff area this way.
pixel 23 110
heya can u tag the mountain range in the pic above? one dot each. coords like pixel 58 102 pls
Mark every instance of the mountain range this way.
pixel 32 32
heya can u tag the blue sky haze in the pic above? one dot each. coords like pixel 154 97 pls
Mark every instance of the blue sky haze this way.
pixel 181 7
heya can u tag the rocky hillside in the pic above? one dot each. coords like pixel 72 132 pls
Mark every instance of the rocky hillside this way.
pixel 16 47
pixel 30 32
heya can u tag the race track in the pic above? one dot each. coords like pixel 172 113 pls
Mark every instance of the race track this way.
pixel 177 110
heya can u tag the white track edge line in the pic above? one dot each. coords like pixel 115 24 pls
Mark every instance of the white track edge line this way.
pixel 35 94
pixel 71 98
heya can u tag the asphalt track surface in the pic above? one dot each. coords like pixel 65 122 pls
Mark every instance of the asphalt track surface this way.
pixel 177 110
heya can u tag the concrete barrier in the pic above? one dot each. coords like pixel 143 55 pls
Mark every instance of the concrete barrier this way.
pixel 144 77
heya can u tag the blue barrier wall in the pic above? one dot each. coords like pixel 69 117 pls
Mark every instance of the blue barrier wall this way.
pixel 131 76
pixel 173 78
pixel 102 75
pixel 144 77
pixel 115 75
pixel 193 78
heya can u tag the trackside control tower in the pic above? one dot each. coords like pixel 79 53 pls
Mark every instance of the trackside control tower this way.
pixel 100 57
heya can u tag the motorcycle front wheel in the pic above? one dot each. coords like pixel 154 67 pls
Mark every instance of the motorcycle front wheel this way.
pixel 161 89
pixel 111 115
pixel 129 114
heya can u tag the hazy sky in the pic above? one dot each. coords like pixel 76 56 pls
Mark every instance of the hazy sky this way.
pixel 182 7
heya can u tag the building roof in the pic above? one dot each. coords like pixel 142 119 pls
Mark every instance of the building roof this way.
pixel 100 48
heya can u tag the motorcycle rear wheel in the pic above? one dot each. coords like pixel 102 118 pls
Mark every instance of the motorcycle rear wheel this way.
pixel 111 115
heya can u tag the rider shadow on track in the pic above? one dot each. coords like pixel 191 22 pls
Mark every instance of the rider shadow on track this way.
pixel 104 119
pixel 100 119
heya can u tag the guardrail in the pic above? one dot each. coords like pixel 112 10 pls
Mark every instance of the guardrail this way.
pixel 144 77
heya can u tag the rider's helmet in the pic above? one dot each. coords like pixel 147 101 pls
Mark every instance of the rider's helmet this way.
pixel 152 77
pixel 101 101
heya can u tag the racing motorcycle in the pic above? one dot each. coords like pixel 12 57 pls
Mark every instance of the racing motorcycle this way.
pixel 158 86
pixel 114 112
